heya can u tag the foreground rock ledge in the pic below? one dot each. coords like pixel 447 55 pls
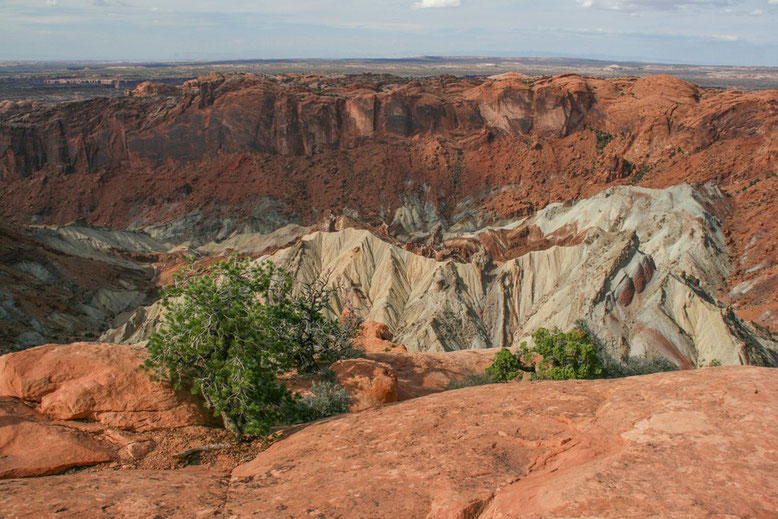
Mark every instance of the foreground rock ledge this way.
pixel 100 382
pixel 186 493
pixel 32 446
pixel 683 444
pixel 690 444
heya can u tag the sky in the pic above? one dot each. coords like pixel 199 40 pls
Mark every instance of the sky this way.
pixel 705 32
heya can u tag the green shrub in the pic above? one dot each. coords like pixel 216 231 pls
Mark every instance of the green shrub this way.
pixel 314 340
pixel 328 399
pixel 576 354
pixel 634 366
pixel 642 172
pixel 603 139
pixel 629 366
pixel 566 355
pixel 229 331
pixel 506 366
pixel 714 363
pixel 471 380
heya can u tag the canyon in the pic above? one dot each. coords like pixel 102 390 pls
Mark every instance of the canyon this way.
pixel 454 216
pixel 468 172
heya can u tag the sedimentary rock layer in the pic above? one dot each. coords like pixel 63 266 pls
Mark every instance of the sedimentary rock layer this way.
pixel 253 153
pixel 644 270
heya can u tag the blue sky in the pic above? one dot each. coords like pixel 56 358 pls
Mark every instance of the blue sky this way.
pixel 724 32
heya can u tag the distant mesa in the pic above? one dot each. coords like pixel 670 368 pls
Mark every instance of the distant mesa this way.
pixel 150 89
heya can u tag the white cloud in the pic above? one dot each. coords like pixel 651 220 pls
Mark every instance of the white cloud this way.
pixel 426 4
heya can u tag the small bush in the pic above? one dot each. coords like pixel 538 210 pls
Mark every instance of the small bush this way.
pixel 576 354
pixel 314 340
pixel 506 366
pixel 642 172
pixel 472 380
pixel 566 355
pixel 328 399
pixel 714 363
pixel 603 139
pixel 629 366
pixel 634 366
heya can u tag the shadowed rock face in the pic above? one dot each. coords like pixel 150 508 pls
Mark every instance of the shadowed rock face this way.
pixel 71 283
pixel 287 116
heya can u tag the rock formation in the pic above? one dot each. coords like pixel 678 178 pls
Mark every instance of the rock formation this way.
pixel 420 374
pixel 105 383
pixel 376 337
pixel 673 444
pixel 70 283
pixel 454 216
pixel 369 383
pixel 81 405
pixel 691 443
pixel 645 269
pixel 229 154
pixel 603 448
pixel 30 445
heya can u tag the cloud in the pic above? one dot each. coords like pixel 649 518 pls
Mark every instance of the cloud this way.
pixel 654 5
pixel 427 4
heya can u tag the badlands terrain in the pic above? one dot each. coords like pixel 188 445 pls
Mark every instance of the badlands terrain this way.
pixel 454 216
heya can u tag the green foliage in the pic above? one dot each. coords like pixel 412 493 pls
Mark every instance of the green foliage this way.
pixel 576 354
pixel 714 363
pixel 566 355
pixel 328 399
pixel 644 169
pixel 603 139
pixel 526 355
pixel 506 366
pixel 314 340
pixel 628 366
pixel 634 366
pixel 471 380
pixel 228 332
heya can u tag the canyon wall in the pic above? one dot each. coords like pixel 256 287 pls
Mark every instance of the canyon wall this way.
pixel 442 167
